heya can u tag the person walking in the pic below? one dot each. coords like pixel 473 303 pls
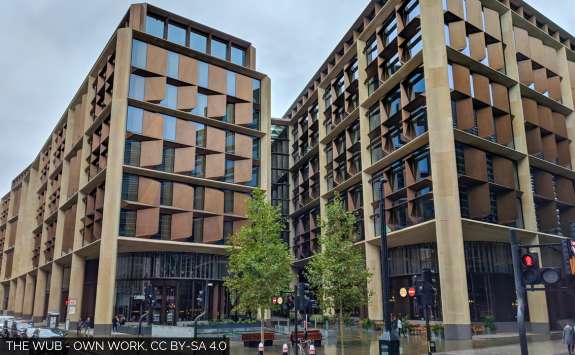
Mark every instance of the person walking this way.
pixel 569 337
pixel 115 324
pixel 87 325
pixel 399 326
pixel 79 327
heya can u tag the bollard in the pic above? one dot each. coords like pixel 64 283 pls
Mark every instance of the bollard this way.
pixel 285 349
pixel 261 349
pixel 311 349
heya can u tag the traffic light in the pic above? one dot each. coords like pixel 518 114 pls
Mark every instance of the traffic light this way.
pixel 302 296
pixel 289 303
pixel 533 274
pixel 149 294
pixel 423 289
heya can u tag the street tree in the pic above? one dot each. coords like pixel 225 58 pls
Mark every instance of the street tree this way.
pixel 337 272
pixel 259 265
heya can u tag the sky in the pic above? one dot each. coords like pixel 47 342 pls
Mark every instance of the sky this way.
pixel 49 46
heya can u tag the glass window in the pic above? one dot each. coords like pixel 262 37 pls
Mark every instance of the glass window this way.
pixel 171 99
pixel 372 84
pixel 167 160
pixel 413 46
pixel 127 223
pixel 130 185
pixel 415 85
pixel 177 34
pixel 155 26
pixel 219 49
pixel 228 229
pixel 229 173
pixel 169 128
pixel 167 188
pixel 139 54
pixel 200 166
pixel 203 74
pixel 374 120
pixel 256 90
pixel 255 181
pixel 419 121
pixel 201 108
pixel 230 142
pixel 230 113
pixel 173 65
pixel 134 119
pixel 422 167
pixel 231 83
pixel 392 65
pixel 198 42
pixel 238 56
pixel 371 49
pixel 389 31
pixel 392 103
pixel 228 201
pixel 199 198
pixel 132 152
pixel 396 177
pixel 200 134
pixel 255 148
pixel 137 85
pixel 255 119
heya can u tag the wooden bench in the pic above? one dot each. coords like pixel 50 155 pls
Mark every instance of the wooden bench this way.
pixel 252 340
pixel 312 334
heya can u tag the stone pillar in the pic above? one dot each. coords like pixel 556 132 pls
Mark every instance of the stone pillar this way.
pixel 112 199
pixel 39 296
pixel 76 290
pixel 449 232
pixel 19 300
pixel 29 296
pixel 12 297
pixel 55 297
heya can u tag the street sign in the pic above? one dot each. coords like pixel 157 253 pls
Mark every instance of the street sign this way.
pixel 280 300
pixel 403 292
pixel 412 292
pixel 274 300
pixel 71 309
pixel 71 302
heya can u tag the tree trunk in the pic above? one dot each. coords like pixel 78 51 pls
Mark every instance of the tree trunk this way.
pixel 341 330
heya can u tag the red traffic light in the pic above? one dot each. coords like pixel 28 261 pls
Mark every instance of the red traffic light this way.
pixel 528 260
pixel 274 300
pixel 411 292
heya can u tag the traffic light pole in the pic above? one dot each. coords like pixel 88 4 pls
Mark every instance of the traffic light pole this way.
pixel 384 261
pixel 295 326
pixel 520 292
pixel 427 330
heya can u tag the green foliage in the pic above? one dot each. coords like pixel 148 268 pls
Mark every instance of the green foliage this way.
pixel 367 324
pixel 437 329
pixel 338 273
pixel 489 323
pixel 259 265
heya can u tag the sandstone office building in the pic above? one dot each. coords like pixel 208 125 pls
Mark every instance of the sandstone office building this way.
pixel 147 173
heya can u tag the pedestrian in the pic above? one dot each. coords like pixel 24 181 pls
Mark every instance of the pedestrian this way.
pixel 79 326
pixel 569 337
pixel 399 326
pixel 115 324
pixel 87 326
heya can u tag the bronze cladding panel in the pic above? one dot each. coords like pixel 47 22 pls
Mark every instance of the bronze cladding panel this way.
pixel 545 117
pixel 478 197
pixel 507 207
pixel 243 145
pixel 151 153
pixel 544 184
pixel 243 170
pixel 500 96
pixel 485 123
pixel 214 200
pixel 244 87
pixel 188 70
pixel 457 35
pixel 153 125
pixel 495 56
pixel 503 172
pixel 475 163
pixel 461 81
pixel 185 132
pixel 239 224
pixel 564 188
pixel 217 79
pixel 540 79
pixel 481 88
pixel 554 87
pixel 243 113
pixel 563 155
pixel 477 44
pixel 147 222
pixel 559 124
pixel 525 72
pixel 465 114
pixel 157 60
pixel 187 97
pixel 530 110
pixel 184 159
pixel 148 191
pixel 155 89
pixel 216 105
pixel 182 225
pixel 183 196
pixel 213 229
pixel 549 147
pixel 215 165
pixel 215 139
pixel 473 12
pixel 536 50
pixel 534 144
pixel 241 203
pixel 492 23
pixel 521 41
pixel 504 129
pixel 456 7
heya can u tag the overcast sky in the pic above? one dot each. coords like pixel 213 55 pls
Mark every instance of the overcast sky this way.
pixel 48 47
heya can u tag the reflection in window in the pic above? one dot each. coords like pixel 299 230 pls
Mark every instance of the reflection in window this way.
pixel 231 81
pixel 230 142
pixel 255 181
pixel 392 65
pixel 132 153
pixel 418 119
pixel 169 128
pixel 371 49
pixel 255 148
pixel 389 31
pixel 395 137
pixel 202 74
pixel 219 49
pixel 171 99
pixel 134 119
pixel 200 134
pixel 176 34
pixel 396 176
pixel 373 115
pixel 229 172
pixel 392 103
pixel 372 84
pixel 238 56
pixel 413 46
pixel 201 108
pixel 155 26
pixel 198 42
pixel 422 166
pixel 137 85
pixel 256 90
pixel 415 85
pixel 173 65
pixel 230 113
pixel 139 54
pixel 199 166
